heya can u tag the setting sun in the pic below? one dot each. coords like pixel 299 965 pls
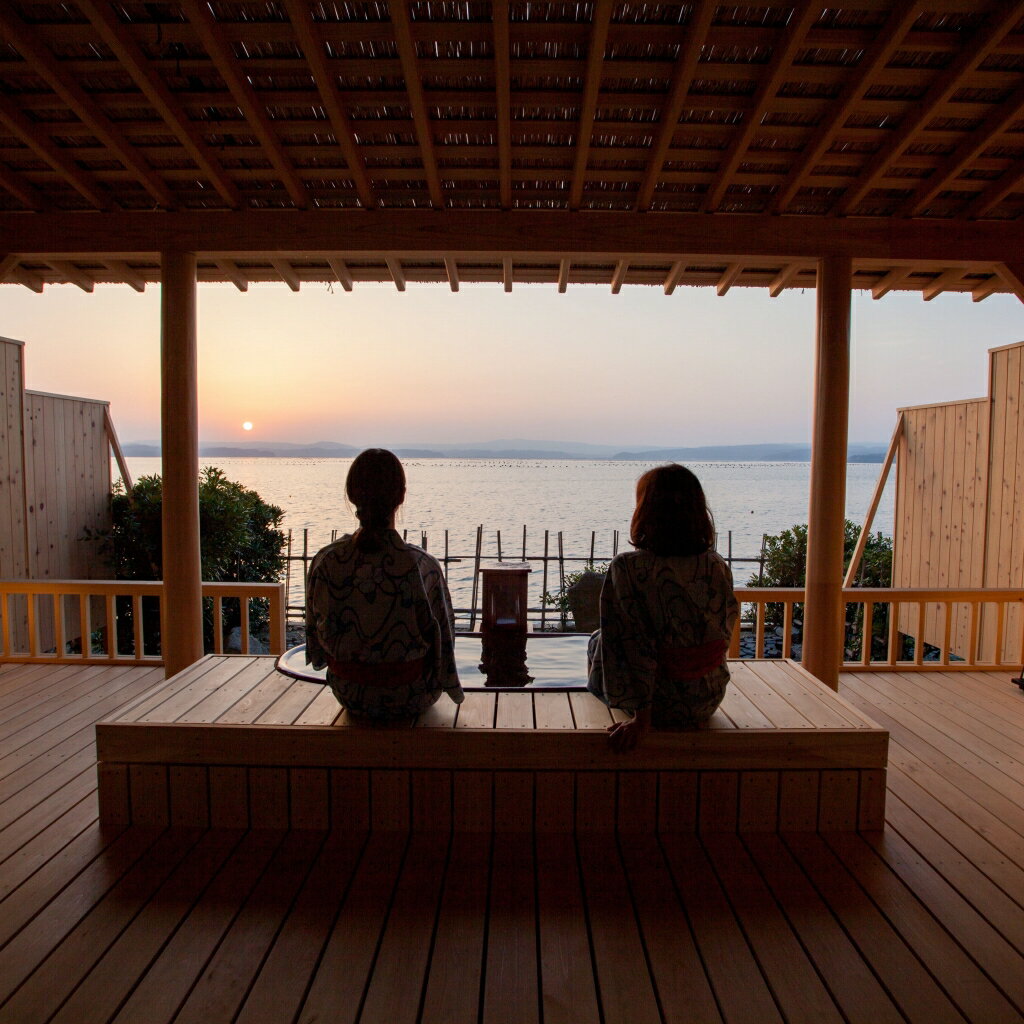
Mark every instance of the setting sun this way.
pixel 247 425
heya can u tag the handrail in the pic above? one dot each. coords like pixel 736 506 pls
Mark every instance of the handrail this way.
pixel 42 629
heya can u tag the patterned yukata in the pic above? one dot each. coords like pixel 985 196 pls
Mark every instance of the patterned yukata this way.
pixel 381 607
pixel 651 606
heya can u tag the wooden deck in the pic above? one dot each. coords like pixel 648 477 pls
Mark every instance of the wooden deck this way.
pixel 232 742
pixel 920 922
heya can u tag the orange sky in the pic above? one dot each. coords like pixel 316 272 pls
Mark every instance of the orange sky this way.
pixel 375 366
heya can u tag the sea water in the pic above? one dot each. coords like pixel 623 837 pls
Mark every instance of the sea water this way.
pixel 575 497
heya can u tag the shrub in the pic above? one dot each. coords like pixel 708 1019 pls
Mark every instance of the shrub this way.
pixel 240 541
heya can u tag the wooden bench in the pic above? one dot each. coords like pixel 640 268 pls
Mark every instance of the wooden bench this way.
pixel 230 742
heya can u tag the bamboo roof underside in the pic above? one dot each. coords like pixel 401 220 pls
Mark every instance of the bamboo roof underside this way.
pixel 132 118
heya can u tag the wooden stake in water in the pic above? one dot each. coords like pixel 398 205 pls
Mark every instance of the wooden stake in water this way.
pixel 544 582
pixel 476 576
pixel 561 577
pixel 498 534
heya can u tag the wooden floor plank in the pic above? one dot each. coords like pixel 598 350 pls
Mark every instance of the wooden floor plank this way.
pixel 684 992
pixel 795 982
pixel 568 995
pixel 170 978
pixel 236 688
pixel 281 984
pixel 115 971
pixel 742 993
pixel 179 689
pixel 340 980
pixel 456 965
pixel 918 994
pixel 588 712
pixel 477 711
pixel 511 982
pixel 400 970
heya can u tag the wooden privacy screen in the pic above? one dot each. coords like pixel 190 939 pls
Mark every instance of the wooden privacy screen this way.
pixel 54 485
pixel 959 501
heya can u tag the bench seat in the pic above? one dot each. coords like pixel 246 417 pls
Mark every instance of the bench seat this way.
pixel 230 742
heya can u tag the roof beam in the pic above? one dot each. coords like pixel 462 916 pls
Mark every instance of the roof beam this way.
pixel 8 262
pixel 231 270
pixel 563 275
pixel 311 41
pixel 729 277
pixel 287 274
pixel 784 278
pixel 73 275
pixel 506 272
pixel 452 270
pixel 1011 181
pixel 414 89
pixel 25 192
pixel 588 105
pixel 674 276
pixel 987 288
pixel 1013 274
pixel 944 176
pixel 895 277
pixel 503 98
pixel 682 76
pixel 619 277
pixel 85 108
pixel 341 272
pixel 151 83
pixel 212 37
pixel 397 275
pixel 130 277
pixel 36 138
pixel 900 21
pixel 491 235
pixel 1002 18
pixel 945 280
pixel 33 282
pixel 805 14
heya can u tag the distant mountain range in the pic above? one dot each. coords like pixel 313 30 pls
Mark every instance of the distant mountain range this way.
pixel 518 448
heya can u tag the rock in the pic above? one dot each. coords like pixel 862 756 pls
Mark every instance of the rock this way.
pixel 234 643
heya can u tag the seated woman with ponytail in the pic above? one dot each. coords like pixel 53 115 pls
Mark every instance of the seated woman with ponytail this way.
pixel 378 613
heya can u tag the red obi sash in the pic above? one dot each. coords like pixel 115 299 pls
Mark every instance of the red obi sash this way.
pixel 683 664
pixel 382 673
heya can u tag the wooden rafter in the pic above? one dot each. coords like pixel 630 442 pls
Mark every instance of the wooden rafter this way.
pixel 85 108
pixel 674 276
pixel 503 99
pixel 312 45
pixel 341 272
pixel 212 37
pixel 619 277
pixel 893 279
pixel 805 14
pixel 417 103
pixel 729 277
pixel 1013 274
pixel 1002 18
pixel 129 53
pixel 900 21
pixel 33 282
pixel 35 137
pixel 396 272
pixel 947 279
pixel 230 269
pixel 73 275
pixel 452 270
pixel 25 192
pixel 944 176
pixel 682 76
pixel 986 288
pixel 785 278
pixel 506 272
pixel 121 270
pixel 1004 185
pixel 588 105
pixel 8 264
pixel 563 274
pixel 287 274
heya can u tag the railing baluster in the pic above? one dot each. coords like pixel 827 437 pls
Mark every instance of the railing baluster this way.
pixel 5 622
pixel 919 639
pixel 137 623
pixel 947 632
pixel 972 653
pixel 218 626
pixel 111 627
pixel 85 616
pixel 869 632
pixel 33 639
pixel 243 607
pixel 997 654
pixel 278 635
pixel 894 633
pixel 760 612
pixel 734 642
pixel 58 624
pixel 787 630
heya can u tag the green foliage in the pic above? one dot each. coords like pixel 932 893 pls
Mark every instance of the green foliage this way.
pixel 240 541
pixel 560 598
pixel 785 565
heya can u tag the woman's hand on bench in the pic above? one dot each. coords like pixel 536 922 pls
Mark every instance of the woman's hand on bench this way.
pixel 626 736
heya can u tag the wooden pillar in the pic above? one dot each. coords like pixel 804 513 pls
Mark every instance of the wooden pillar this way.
pixel 823 609
pixel 182 606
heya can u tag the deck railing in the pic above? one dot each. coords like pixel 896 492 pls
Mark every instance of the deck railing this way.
pixel 87 621
pixel 909 628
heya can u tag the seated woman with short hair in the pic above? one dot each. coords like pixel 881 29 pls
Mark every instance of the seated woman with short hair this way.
pixel 378 612
pixel 667 613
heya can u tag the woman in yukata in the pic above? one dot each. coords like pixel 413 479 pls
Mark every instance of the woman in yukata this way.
pixel 667 614
pixel 378 613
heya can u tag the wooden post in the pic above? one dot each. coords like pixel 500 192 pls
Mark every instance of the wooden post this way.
pixel 823 607
pixel 182 604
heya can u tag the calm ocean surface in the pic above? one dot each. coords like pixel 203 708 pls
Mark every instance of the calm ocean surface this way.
pixel 575 497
